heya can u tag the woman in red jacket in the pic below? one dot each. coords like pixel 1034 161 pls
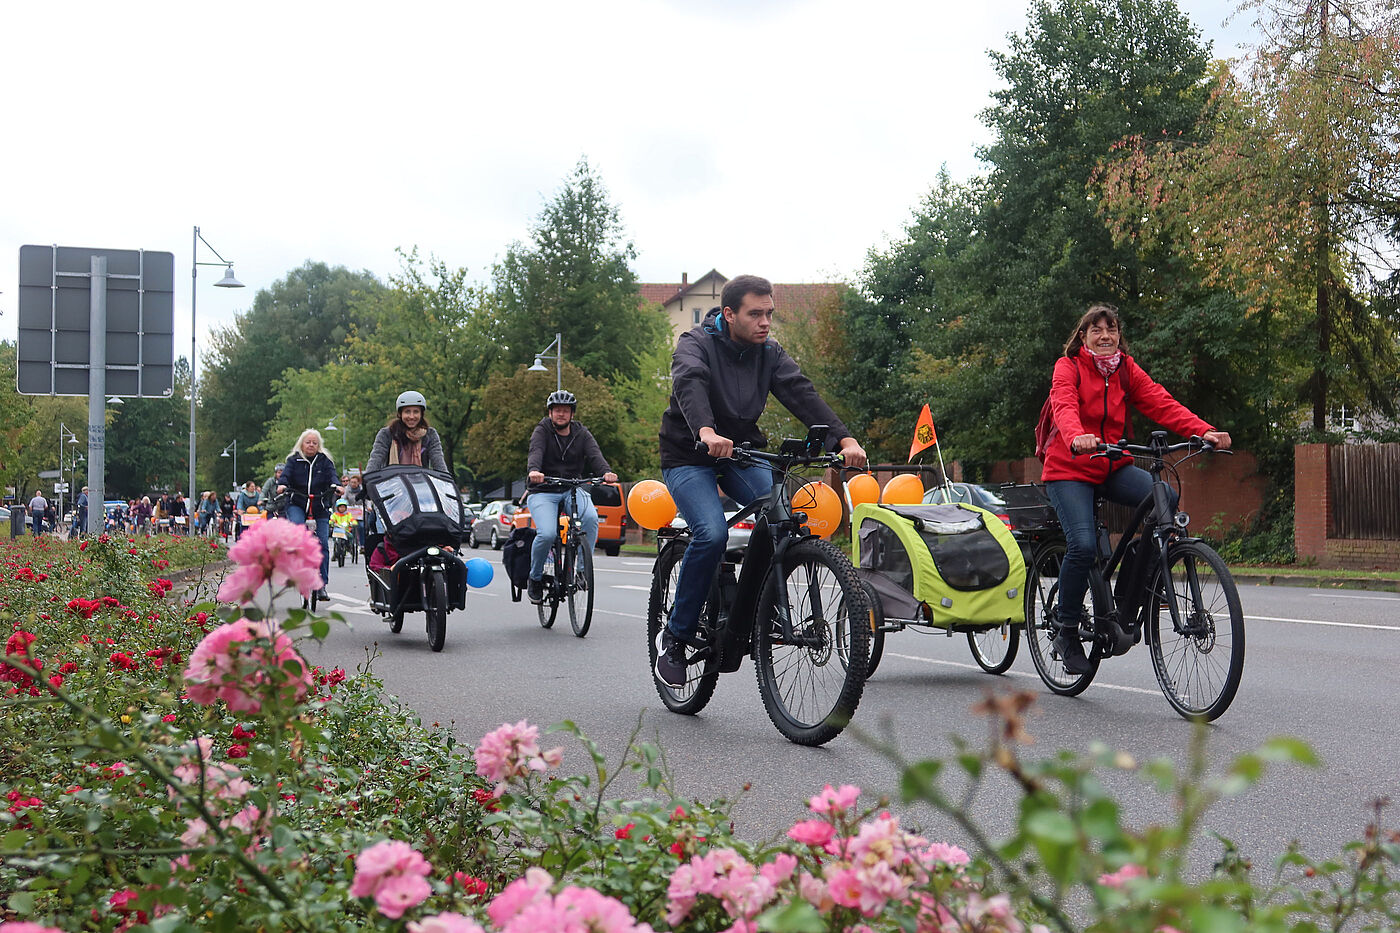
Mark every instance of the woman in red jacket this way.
pixel 1089 398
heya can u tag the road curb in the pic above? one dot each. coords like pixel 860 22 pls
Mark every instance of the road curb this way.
pixel 1318 583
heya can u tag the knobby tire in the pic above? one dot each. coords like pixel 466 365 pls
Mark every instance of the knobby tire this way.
pixel 812 685
pixel 700 678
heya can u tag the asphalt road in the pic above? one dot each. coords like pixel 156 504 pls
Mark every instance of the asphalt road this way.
pixel 1321 665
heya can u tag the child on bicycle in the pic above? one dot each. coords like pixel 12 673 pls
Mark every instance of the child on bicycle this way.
pixel 341 518
pixel 1089 399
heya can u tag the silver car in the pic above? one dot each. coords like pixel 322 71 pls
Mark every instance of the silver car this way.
pixel 738 534
pixel 493 525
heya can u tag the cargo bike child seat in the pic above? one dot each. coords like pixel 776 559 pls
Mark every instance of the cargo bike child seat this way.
pixel 411 562
pixel 950 566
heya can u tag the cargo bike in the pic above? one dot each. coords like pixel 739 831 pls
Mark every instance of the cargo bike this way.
pixel 943 566
pixel 410 559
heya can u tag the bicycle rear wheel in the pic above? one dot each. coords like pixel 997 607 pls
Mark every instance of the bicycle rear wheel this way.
pixel 1200 666
pixel 701 677
pixel 548 607
pixel 811 681
pixel 1042 593
pixel 578 571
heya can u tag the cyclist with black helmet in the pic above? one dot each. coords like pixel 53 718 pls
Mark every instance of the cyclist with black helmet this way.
pixel 560 446
pixel 408 438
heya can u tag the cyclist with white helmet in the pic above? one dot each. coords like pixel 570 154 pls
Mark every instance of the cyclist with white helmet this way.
pixel 408 438
pixel 560 446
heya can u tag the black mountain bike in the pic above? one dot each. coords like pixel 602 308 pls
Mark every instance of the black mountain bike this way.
pixel 796 606
pixel 568 570
pixel 1158 579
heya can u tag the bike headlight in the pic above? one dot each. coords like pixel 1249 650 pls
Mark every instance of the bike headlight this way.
pixel 1181 519
pixel 433 552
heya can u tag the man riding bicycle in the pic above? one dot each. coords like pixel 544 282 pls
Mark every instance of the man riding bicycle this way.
pixel 722 372
pixel 560 446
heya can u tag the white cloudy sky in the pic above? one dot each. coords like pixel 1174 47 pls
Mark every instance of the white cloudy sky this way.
pixel 782 137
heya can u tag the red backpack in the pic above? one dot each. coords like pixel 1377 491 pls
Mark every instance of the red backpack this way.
pixel 1045 426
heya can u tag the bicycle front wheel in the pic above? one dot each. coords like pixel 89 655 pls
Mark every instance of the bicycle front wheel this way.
pixel 811 673
pixel 1042 593
pixel 1199 656
pixel 701 676
pixel 578 571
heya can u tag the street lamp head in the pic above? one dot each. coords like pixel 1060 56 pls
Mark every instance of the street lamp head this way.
pixel 115 400
pixel 330 426
pixel 228 281
pixel 538 367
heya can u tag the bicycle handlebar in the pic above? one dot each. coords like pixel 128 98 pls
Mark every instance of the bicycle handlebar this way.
pixel 572 481
pixel 746 452
pixel 1123 449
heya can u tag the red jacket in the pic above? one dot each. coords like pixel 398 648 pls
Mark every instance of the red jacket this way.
pixel 1083 401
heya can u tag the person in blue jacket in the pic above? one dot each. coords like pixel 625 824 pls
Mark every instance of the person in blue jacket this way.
pixel 310 476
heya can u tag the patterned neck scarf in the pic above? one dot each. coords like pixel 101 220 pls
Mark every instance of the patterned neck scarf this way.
pixel 1106 365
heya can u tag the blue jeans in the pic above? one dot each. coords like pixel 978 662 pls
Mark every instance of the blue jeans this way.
pixel 694 490
pixel 1074 504
pixel 544 509
pixel 296 514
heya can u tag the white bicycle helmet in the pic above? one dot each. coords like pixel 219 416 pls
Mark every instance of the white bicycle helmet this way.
pixel 411 398
pixel 561 397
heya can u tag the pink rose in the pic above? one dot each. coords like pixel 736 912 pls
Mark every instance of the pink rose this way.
pixel 275 552
pixel 445 923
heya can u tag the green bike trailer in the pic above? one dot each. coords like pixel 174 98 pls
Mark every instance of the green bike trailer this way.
pixel 953 566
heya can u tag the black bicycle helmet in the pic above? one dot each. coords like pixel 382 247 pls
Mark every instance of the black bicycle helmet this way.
pixel 561 397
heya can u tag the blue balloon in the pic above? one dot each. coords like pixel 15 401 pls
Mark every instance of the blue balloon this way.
pixel 479 572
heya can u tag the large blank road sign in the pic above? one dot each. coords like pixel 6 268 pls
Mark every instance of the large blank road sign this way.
pixel 54 307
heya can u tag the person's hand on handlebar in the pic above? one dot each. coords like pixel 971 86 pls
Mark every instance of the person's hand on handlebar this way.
pixel 610 477
pixel 535 477
pixel 1221 439
pixel 1084 443
pixel 853 453
pixel 716 445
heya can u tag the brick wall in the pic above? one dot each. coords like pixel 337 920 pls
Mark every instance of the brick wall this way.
pixel 1219 492
pixel 1312 518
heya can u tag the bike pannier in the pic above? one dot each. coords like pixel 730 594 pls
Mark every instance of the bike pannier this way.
pixel 515 556
pixel 955 564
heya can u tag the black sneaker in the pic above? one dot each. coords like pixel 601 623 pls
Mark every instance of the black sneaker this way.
pixel 535 591
pixel 670 660
pixel 322 595
pixel 1071 654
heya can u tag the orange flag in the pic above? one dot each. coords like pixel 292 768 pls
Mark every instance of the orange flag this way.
pixel 923 433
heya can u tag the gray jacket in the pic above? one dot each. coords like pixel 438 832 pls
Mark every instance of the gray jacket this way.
pixel 431 453
pixel 718 383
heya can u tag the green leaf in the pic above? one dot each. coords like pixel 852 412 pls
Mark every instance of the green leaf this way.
pixel 1287 749
pixel 22 903
pixel 13 841
pixel 795 917
pixel 1207 919
pixel 917 781
pixel 1052 826
pixel 320 629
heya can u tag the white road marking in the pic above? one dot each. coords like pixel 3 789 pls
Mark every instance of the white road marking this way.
pixel 639 563
pixel 1389 599
pixel 1383 628
pixel 974 667
pixel 628 586
pixel 625 615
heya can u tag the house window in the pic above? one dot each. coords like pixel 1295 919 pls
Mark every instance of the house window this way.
pixel 696 315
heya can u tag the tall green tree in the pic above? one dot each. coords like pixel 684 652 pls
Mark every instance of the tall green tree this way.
pixel 300 322
pixel 574 278
pixel 1287 195
pixel 993 275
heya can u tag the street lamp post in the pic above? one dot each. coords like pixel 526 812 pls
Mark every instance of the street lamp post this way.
pixel 64 434
pixel 331 426
pixel 234 447
pixel 228 281
pixel 558 356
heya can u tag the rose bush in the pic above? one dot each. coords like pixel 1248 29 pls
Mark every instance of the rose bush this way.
pixel 177 766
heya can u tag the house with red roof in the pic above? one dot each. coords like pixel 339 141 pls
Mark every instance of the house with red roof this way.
pixel 686 303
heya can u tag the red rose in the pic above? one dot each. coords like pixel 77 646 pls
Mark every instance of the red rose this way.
pixel 237 751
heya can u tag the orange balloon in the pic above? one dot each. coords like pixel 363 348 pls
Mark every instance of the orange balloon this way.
pixel 822 505
pixel 904 489
pixel 862 488
pixel 650 504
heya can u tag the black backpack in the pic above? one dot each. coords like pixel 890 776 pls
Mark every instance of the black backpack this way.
pixel 515 556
